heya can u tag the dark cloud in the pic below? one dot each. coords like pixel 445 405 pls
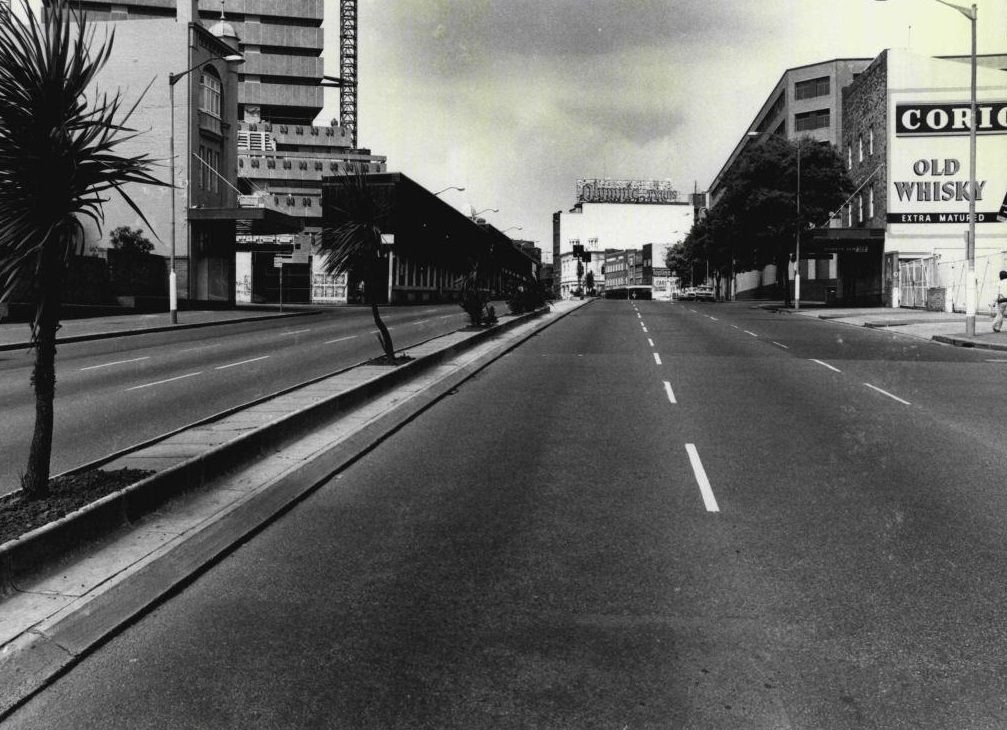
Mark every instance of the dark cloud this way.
pixel 450 37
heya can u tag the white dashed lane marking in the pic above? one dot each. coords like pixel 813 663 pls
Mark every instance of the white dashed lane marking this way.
pixel 161 382
pixel 780 344
pixel 885 392
pixel 704 483
pixel 670 392
pixel 243 362
pixel 825 364
pixel 657 358
pixel 117 362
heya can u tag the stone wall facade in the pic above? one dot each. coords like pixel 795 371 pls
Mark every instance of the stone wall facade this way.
pixel 864 144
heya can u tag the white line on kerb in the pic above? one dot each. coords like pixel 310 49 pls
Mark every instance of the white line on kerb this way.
pixel 657 358
pixel 670 392
pixel 243 362
pixel 295 332
pixel 751 333
pixel 826 365
pixel 341 339
pixel 780 344
pixel 650 342
pixel 161 382
pixel 885 392
pixel 704 484
pixel 117 362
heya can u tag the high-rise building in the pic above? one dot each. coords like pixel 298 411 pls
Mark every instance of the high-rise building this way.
pixel 281 79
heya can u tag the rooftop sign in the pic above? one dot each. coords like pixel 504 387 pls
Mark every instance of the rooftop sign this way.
pixel 626 191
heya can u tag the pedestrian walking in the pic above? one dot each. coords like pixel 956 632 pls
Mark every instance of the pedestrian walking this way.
pixel 1001 303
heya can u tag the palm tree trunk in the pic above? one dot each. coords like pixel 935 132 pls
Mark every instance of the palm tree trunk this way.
pixel 384 335
pixel 35 481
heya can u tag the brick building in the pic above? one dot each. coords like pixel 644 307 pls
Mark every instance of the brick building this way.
pixel 912 179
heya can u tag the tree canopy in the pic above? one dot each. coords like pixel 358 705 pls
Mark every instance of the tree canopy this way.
pixel 755 221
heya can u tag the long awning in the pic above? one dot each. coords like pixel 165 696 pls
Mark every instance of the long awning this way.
pixel 256 221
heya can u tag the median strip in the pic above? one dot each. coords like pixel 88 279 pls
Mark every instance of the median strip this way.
pixel 704 483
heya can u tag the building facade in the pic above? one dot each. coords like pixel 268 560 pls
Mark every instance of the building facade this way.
pixel 906 147
pixel 618 215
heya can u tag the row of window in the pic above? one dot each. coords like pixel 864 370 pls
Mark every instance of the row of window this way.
pixel 812 88
pixel 860 149
pixel 860 208
pixel 817 119
pixel 303 165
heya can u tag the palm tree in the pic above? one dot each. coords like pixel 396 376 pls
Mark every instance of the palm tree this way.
pixel 58 160
pixel 353 242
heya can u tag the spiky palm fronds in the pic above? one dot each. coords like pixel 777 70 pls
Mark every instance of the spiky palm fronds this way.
pixel 351 240
pixel 58 163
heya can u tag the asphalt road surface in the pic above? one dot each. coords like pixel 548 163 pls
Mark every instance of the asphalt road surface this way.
pixel 114 393
pixel 647 516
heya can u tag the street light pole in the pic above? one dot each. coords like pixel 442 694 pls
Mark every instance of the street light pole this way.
pixel 797 246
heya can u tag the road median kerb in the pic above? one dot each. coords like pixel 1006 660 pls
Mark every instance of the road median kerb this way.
pixel 38 656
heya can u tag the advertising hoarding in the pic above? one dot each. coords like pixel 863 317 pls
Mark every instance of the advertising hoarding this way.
pixel 626 191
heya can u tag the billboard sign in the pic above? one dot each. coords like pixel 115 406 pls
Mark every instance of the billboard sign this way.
pixel 626 191
pixel 928 177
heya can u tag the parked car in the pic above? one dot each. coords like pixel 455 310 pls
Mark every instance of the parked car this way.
pixel 688 293
pixel 705 294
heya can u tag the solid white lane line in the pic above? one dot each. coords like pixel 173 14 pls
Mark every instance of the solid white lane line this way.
pixel 996 361
pixel 650 342
pixel 295 332
pixel 751 333
pixel 826 365
pixel 670 392
pixel 117 362
pixel 885 392
pixel 161 382
pixel 780 344
pixel 341 339
pixel 657 358
pixel 704 484
pixel 243 362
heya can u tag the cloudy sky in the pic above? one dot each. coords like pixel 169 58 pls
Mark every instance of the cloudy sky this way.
pixel 515 100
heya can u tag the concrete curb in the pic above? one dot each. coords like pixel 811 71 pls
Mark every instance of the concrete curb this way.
pixel 962 342
pixel 160 328
pixel 49 649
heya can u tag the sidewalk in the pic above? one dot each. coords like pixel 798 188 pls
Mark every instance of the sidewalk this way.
pixel 15 335
pixel 217 483
pixel 944 327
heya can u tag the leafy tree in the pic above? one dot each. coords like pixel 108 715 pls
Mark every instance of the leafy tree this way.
pixel 130 241
pixel 58 162
pixel 756 220
pixel 353 243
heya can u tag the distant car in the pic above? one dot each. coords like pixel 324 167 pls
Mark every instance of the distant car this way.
pixel 705 294
pixel 688 293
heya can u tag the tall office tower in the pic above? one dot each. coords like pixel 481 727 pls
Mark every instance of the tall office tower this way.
pixel 281 40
